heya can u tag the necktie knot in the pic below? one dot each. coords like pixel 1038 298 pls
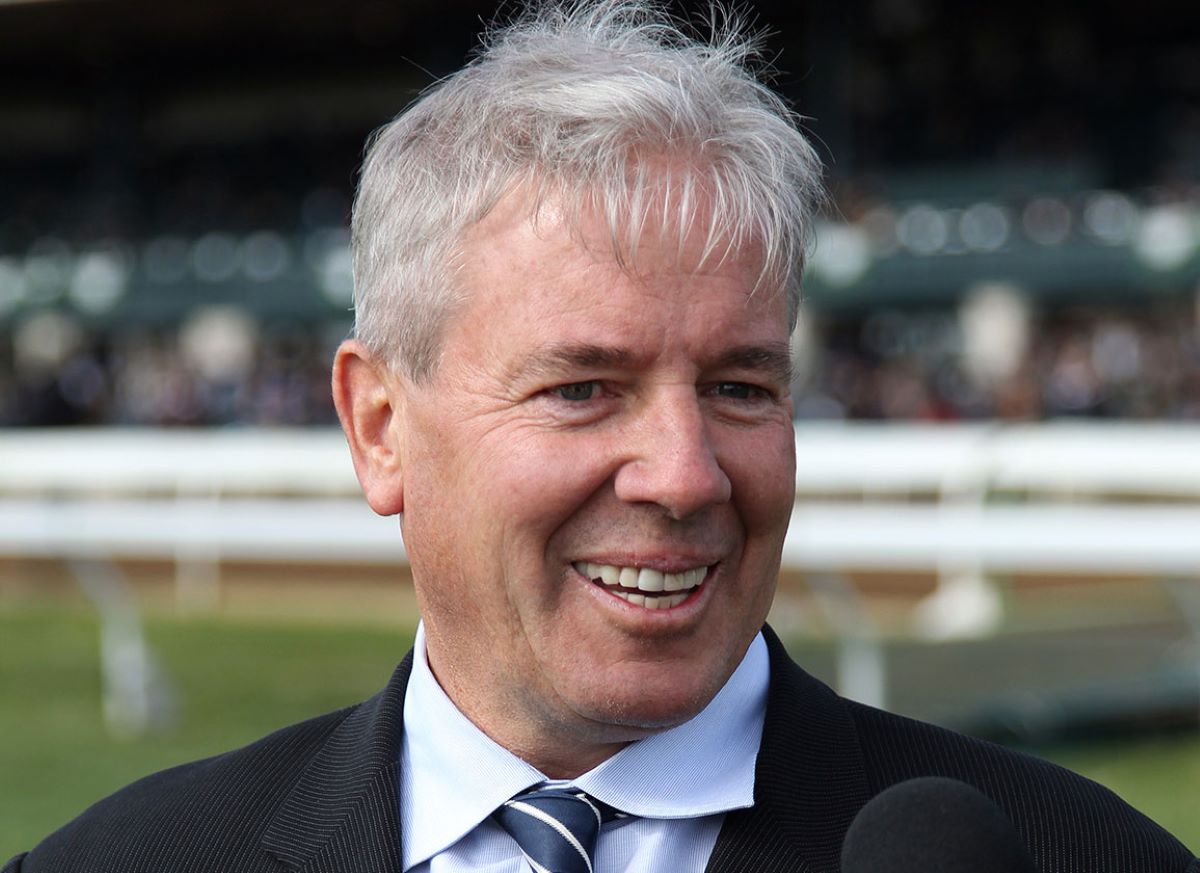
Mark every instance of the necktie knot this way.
pixel 556 828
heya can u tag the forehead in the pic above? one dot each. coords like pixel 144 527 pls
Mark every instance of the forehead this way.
pixel 545 298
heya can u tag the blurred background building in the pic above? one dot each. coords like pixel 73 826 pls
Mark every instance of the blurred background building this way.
pixel 1016 230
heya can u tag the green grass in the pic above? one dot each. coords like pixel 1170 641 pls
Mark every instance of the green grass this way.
pixel 239 679
pixel 1158 775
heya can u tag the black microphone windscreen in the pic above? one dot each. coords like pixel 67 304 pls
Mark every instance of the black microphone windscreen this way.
pixel 933 825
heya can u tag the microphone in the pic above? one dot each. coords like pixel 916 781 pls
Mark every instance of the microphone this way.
pixel 933 825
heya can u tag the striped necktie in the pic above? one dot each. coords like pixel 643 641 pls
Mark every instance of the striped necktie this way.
pixel 556 828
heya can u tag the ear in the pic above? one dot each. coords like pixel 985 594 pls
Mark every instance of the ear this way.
pixel 369 400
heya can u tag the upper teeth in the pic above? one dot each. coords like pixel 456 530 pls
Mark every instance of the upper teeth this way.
pixel 643 579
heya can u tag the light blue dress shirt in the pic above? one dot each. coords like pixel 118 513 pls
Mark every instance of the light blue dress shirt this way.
pixel 679 783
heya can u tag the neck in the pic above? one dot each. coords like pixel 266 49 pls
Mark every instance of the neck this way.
pixel 566 763
pixel 560 743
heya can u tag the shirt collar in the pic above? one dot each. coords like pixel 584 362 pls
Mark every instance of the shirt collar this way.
pixel 701 767
pixel 454 775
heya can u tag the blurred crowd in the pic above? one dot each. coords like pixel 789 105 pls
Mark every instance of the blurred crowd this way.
pixel 891 365
pixel 152 378
pixel 212 183
pixel 916 367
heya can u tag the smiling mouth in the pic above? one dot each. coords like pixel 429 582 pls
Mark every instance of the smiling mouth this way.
pixel 643 586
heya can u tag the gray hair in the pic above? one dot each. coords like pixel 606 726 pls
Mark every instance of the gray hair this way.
pixel 568 99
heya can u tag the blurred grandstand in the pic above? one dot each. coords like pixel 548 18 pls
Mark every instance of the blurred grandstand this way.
pixel 1016 233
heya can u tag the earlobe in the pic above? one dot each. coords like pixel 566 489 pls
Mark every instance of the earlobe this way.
pixel 369 400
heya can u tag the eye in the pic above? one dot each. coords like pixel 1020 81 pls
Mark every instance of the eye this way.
pixel 576 392
pixel 740 391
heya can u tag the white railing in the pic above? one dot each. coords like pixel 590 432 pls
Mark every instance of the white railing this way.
pixel 962 502
pixel 1116 498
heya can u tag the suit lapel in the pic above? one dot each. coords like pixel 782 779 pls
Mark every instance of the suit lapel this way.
pixel 809 780
pixel 342 815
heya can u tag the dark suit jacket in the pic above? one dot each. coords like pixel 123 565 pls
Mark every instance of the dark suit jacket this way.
pixel 322 797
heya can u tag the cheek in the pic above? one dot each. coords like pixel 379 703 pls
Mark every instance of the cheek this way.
pixel 538 480
pixel 763 475
pixel 485 524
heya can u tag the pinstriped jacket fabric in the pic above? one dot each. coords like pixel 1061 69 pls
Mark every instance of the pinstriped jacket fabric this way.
pixel 322 797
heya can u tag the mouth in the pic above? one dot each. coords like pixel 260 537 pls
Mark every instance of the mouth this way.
pixel 643 586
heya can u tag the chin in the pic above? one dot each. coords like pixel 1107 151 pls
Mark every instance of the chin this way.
pixel 650 710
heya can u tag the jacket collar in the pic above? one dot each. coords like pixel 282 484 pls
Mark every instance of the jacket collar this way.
pixel 810 780
pixel 342 815
pixel 343 812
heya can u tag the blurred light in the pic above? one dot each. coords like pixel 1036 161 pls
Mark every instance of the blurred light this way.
pixel 215 257
pixel 1046 221
pixel 954 242
pixel 880 226
pixel 48 268
pixel 922 230
pixel 1111 217
pixel 1167 237
pixel 219 342
pixel 842 255
pixel 13 285
pixel 101 279
pixel 265 256
pixel 44 341
pixel 319 243
pixel 337 276
pixel 984 227
pixel 995 322
pixel 327 252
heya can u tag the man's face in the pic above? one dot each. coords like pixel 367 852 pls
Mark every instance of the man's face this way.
pixel 597 484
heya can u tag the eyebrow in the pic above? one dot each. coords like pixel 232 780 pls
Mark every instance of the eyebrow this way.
pixel 774 359
pixel 570 356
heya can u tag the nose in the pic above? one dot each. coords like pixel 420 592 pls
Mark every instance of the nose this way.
pixel 671 459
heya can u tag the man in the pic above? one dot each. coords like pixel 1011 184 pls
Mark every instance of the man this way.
pixel 577 269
